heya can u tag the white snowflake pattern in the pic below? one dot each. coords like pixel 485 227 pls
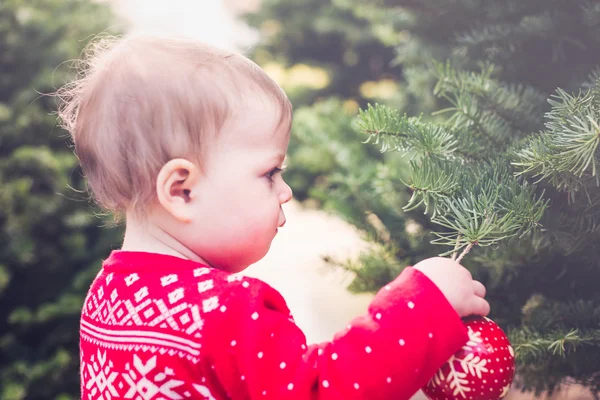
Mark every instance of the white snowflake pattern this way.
pixel 130 279
pixel 101 376
pixel 210 304
pixel 471 365
pixel 204 391
pixel 168 279
pixel 201 271
pixel 176 295
pixel 205 285
pixel 140 387
pixel 234 278
pixel 140 294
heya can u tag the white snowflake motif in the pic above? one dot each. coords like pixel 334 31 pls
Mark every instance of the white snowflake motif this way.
pixel 201 271
pixel 140 387
pixel 234 278
pixel 176 295
pixel 101 377
pixel 129 280
pixel 210 304
pixel 140 294
pixel 205 285
pixel 471 365
pixel 197 323
pixel 167 280
pixel 203 390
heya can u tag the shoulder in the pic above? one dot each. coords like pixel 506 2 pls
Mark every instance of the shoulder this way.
pixel 241 292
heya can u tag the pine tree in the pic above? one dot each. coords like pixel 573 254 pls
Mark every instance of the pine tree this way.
pixel 316 50
pixel 50 244
pixel 504 170
pixel 322 34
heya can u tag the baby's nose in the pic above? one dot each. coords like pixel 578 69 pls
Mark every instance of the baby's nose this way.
pixel 286 194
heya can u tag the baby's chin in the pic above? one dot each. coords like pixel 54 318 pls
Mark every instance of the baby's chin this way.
pixel 233 264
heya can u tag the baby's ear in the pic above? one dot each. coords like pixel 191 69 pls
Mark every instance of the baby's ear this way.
pixel 175 187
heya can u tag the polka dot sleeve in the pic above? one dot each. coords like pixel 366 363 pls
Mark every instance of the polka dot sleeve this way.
pixel 257 352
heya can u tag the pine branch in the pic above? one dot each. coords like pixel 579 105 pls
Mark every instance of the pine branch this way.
pixel 409 135
pixel 481 208
pixel 567 150
pixel 530 346
pixel 433 181
pixel 496 112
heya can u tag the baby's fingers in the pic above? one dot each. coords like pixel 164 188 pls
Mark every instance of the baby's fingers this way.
pixel 480 306
pixel 479 289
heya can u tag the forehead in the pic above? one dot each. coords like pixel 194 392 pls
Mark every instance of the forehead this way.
pixel 259 119
pixel 255 131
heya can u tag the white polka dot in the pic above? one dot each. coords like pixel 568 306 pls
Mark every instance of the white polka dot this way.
pixel 411 305
pixel 368 349
pixel 243 377
pixel 255 316
pixel 388 380
pixel 260 354
pixel 233 342
pixel 402 342
pixel 378 315
pixel 320 352
pixel 223 308
pixel 282 365
pixel 272 334
pixel 430 335
pixel 356 386
pixel 334 356
pixel 387 287
pixel 245 284
pixel 290 386
pixel 303 347
pixel 348 326
pixel 264 393
pixel 325 384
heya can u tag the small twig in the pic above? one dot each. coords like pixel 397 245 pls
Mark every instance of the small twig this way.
pixel 456 247
pixel 465 252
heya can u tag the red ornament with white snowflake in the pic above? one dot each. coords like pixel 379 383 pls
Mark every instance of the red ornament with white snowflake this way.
pixel 482 370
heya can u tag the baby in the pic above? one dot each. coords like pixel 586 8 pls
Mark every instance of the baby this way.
pixel 187 143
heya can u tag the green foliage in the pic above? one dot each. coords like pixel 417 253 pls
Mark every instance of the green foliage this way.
pixel 323 34
pixel 50 246
pixel 493 149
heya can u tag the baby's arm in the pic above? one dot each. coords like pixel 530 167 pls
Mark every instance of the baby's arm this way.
pixel 410 330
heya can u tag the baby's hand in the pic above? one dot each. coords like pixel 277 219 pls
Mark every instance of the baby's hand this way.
pixel 456 283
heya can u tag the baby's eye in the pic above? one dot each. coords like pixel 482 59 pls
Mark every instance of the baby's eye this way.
pixel 274 172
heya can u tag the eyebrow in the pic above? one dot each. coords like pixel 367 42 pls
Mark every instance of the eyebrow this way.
pixel 279 158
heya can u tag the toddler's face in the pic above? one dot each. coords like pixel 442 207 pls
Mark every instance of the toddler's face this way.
pixel 242 191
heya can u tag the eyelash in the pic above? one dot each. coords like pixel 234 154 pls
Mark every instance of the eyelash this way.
pixel 274 172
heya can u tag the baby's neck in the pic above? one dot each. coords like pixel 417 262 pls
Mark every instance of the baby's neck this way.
pixel 151 238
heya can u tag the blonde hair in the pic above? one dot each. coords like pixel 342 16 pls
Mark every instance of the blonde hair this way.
pixel 140 101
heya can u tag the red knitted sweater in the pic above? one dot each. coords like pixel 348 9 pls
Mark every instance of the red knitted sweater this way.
pixel 160 327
